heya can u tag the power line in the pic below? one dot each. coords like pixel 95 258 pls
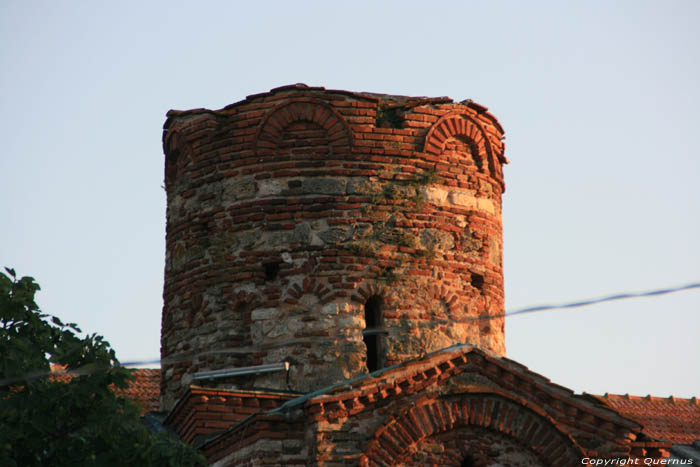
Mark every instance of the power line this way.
pixel 609 298
pixel 381 330
pixel 375 330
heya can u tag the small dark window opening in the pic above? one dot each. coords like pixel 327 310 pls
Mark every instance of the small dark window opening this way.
pixel 271 270
pixel 389 117
pixel 373 318
pixel 468 461
pixel 478 281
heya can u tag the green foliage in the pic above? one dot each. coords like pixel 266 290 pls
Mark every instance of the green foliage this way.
pixel 429 252
pixel 428 177
pixel 389 117
pixel 408 240
pixel 390 192
pixel 363 248
pixel 67 421
pixel 391 275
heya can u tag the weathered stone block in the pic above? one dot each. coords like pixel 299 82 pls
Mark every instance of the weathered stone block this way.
pixel 324 186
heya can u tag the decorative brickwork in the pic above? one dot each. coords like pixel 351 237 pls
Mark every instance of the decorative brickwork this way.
pixel 273 132
pixel 403 438
pixel 201 412
pixel 289 210
pixel 449 405
pixel 471 141
pixel 357 238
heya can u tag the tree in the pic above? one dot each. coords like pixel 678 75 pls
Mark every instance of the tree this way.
pixel 71 421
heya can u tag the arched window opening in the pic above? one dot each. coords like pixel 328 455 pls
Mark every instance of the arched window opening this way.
pixel 468 461
pixel 373 320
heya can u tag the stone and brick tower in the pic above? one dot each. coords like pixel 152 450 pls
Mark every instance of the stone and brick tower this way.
pixel 340 232
pixel 334 293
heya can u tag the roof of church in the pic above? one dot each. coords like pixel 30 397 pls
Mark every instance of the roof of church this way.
pixel 143 390
pixel 674 419
pixel 670 418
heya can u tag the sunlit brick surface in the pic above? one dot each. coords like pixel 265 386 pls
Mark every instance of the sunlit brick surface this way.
pixel 289 210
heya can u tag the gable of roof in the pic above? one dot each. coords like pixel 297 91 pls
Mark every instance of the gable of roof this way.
pixel 652 423
pixel 460 386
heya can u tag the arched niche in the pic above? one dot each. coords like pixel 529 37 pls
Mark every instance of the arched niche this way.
pixel 396 441
pixel 299 115
pixel 459 132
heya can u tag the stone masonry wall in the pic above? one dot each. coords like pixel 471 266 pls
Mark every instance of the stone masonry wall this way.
pixel 287 212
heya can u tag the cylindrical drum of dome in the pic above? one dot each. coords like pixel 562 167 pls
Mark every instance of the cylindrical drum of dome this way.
pixel 339 232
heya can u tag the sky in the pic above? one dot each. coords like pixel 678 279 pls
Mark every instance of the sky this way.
pixel 599 100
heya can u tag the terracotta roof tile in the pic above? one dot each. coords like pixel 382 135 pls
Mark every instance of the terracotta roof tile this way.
pixel 672 418
pixel 144 390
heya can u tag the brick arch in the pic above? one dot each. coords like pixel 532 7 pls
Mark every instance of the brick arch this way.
pixel 369 289
pixel 269 132
pixel 455 125
pixel 306 286
pixel 439 292
pixel 244 297
pixel 518 420
pixel 389 302
pixel 176 156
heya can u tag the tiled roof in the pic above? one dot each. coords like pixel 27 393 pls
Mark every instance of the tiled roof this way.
pixel 571 416
pixel 144 390
pixel 671 418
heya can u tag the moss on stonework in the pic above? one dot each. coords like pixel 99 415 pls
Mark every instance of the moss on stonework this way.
pixel 407 189
pixel 363 247
pixel 391 275
pixel 428 253
pixel 408 240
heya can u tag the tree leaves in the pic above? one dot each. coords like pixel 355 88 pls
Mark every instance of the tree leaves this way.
pixel 67 420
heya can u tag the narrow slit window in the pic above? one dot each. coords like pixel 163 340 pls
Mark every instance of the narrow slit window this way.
pixel 271 271
pixel 372 335
pixel 478 281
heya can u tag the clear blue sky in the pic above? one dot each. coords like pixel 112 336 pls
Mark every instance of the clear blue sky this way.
pixel 600 102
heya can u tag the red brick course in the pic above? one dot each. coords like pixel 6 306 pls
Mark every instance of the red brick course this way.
pixel 292 211
pixel 354 205
pixel 454 398
pixel 204 411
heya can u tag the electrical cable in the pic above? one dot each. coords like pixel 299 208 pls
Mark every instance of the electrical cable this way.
pixel 375 330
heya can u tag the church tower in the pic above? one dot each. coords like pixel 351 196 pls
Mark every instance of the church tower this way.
pixel 316 235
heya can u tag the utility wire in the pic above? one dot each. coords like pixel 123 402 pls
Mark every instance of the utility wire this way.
pixel 385 331
pixel 609 298
pixel 375 330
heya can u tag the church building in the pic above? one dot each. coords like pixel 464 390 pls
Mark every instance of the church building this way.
pixel 334 296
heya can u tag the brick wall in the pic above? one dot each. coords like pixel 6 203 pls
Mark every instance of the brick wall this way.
pixel 455 405
pixel 291 210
